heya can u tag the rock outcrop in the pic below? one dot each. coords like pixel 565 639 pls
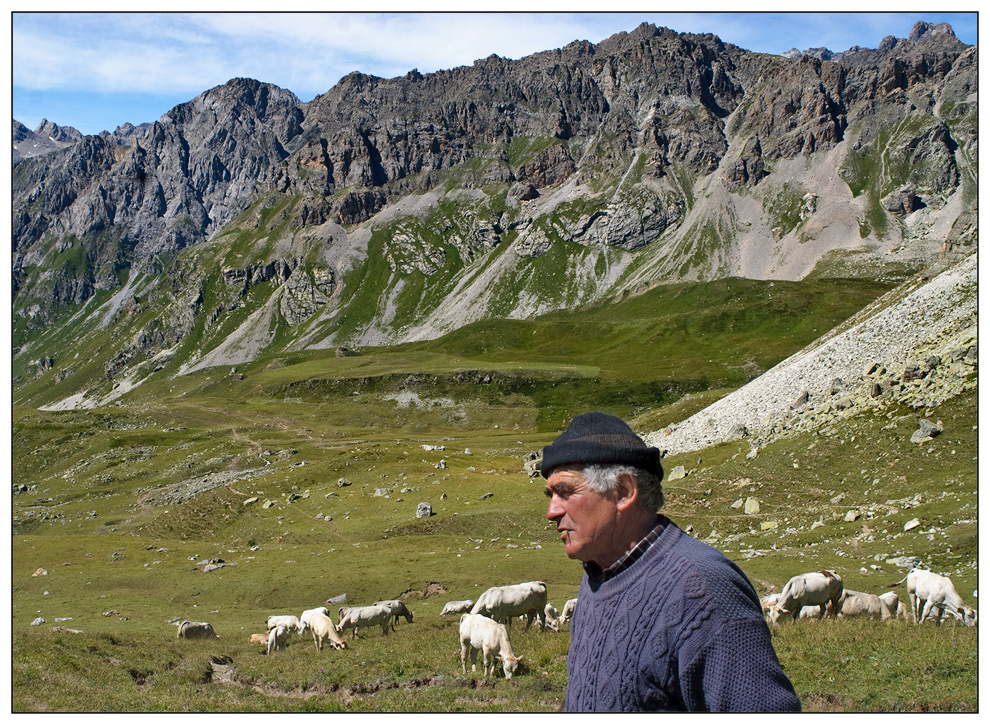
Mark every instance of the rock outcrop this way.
pixel 921 344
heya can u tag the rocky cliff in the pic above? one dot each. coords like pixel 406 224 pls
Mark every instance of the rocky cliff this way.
pixel 397 209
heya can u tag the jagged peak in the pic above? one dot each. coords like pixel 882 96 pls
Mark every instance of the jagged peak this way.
pixel 235 93
pixel 52 130
pixel 358 80
pixel 645 30
pixel 247 90
pixel 493 58
pixel 581 47
pixel 922 32
pixel 921 29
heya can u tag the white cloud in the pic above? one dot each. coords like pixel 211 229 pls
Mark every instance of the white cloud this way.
pixel 148 52
pixel 309 52
pixel 129 59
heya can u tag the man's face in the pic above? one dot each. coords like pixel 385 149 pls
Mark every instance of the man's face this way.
pixel 585 518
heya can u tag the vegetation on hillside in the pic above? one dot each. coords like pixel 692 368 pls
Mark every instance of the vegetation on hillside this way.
pixel 123 506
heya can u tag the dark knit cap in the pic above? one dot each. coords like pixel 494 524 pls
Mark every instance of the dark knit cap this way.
pixel 603 439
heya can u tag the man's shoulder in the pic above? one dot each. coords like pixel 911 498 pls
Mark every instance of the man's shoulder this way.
pixel 702 567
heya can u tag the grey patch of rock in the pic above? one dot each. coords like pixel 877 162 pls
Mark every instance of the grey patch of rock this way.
pixel 916 345
pixel 926 431
pixel 905 562
pixel 176 493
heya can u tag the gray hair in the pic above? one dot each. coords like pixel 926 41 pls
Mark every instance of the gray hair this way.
pixel 603 478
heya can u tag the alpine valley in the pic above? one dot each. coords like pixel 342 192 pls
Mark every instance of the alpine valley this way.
pixel 246 222
pixel 270 354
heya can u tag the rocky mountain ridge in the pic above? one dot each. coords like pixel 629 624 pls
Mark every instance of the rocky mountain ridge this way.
pixel 385 210
pixel 46 138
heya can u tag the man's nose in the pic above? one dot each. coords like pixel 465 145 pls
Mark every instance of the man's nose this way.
pixel 554 509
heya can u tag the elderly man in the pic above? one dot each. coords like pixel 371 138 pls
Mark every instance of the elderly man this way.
pixel 665 622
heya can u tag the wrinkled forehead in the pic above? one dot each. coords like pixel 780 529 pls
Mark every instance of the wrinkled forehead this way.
pixel 565 480
pixel 568 472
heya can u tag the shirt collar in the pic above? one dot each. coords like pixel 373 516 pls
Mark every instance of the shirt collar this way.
pixel 630 557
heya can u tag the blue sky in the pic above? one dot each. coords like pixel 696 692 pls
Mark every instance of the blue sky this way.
pixel 96 71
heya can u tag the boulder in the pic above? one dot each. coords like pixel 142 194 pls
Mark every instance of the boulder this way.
pixel 912 372
pixel 902 202
pixel 926 431
pixel 739 430
pixel 424 510
pixel 905 562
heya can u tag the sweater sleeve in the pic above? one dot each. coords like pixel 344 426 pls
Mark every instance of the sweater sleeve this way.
pixel 737 670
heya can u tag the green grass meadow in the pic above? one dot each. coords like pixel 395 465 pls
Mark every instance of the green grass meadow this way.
pixel 303 478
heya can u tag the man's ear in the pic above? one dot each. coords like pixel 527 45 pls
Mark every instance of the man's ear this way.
pixel 626 491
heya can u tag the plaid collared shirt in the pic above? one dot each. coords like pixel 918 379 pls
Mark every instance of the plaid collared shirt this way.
pixel 630 557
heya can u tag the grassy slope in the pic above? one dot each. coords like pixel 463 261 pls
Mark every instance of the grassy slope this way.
pixel 295 425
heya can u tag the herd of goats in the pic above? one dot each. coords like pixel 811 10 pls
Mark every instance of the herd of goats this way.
pixel 484 623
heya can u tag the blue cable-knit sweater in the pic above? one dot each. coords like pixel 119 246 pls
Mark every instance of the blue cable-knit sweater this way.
pixel 680 629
